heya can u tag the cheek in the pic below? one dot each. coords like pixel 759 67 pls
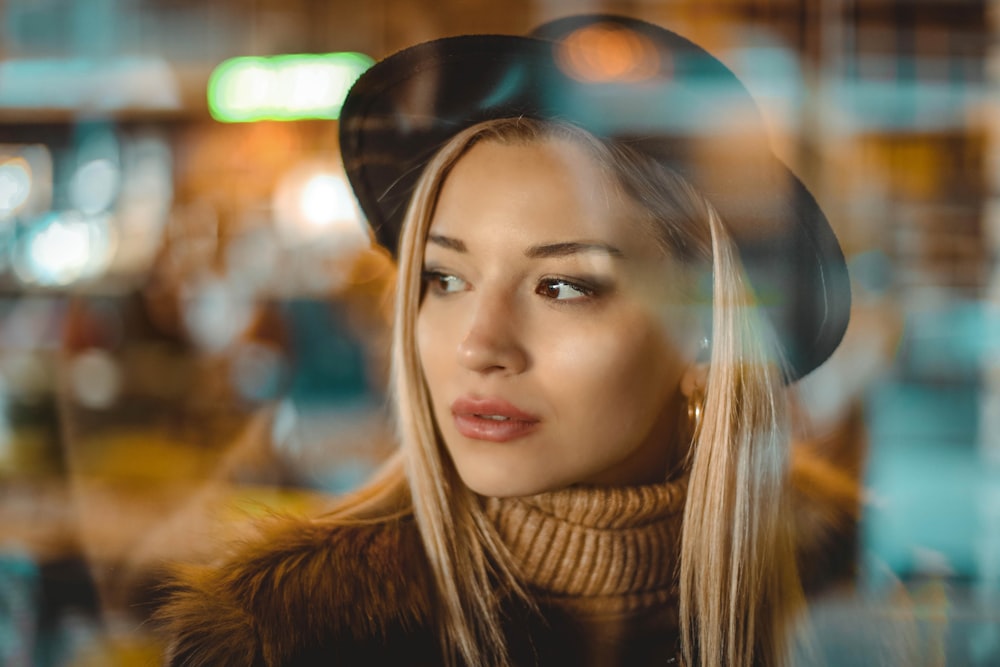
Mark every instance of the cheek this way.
pixel 430 344
pixel 632 368
pixel 436 346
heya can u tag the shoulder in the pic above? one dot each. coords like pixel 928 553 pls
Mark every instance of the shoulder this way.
pixel 301 584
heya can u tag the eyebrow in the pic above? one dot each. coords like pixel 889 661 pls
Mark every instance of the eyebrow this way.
pixel 563 249
pixel 447 242
pixel 571 248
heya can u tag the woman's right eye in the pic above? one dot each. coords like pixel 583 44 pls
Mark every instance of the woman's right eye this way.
pixel 440 282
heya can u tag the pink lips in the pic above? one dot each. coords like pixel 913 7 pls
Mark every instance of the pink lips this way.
pixel 492 419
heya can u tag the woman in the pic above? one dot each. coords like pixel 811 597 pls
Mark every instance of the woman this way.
pixel 605 280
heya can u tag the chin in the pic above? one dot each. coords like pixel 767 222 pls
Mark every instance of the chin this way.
pixel 492 484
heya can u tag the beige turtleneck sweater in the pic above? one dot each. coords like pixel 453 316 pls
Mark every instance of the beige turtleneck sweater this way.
pixel 607 558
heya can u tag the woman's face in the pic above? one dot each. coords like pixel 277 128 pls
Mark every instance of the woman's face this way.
pixel 546 361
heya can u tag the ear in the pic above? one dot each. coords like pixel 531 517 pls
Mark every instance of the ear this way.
pixel 694 379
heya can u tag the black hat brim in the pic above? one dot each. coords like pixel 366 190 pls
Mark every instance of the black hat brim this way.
pixel 692 114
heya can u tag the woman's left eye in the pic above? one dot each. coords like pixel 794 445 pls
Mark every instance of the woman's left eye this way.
pixel 560 289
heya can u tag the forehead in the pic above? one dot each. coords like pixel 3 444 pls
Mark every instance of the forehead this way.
pixel 544 190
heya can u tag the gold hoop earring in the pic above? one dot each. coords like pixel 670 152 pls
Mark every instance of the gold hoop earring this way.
pixel 695 411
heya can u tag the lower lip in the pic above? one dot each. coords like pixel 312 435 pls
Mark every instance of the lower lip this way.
pixel 492 430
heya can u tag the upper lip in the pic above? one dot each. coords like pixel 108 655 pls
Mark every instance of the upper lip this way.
pixel 490 407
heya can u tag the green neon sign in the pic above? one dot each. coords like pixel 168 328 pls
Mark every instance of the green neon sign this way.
pixel 290 87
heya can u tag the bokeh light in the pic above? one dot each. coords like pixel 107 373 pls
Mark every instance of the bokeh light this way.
pixel 216 311
pixel 606 53
pixel 253 257
pixel 26 374
pixel 25 180
pixel 245 88
pixel 15 185
pixel 326 199
pixel 314 201
pixel 65 247
pixel 289 87
pixel 143 201
pixel 257 371
pixel 94 186
pixel 60 253
pixel 95 379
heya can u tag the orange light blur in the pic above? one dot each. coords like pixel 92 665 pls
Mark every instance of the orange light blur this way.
pixel 608 53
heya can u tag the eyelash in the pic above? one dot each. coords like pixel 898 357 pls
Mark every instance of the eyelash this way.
pixel 432 281
pixel 586 291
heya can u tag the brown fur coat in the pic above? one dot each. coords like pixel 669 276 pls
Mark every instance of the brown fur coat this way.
pixel 315 593
pixel 312 593
pixel 308 593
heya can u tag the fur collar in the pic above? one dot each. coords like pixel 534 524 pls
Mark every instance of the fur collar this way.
pixel 303 584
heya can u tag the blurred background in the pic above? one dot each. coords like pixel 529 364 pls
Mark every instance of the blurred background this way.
pixel 193 325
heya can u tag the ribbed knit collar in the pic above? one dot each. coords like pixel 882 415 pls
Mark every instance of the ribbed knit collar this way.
pixel 610 549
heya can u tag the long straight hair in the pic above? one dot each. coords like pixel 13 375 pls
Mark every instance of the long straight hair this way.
pixel 739 586
pixel 740 590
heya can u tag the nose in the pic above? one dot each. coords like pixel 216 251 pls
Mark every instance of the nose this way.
pixel 493 342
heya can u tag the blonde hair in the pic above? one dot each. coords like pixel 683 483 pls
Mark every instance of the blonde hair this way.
pixel 739 586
